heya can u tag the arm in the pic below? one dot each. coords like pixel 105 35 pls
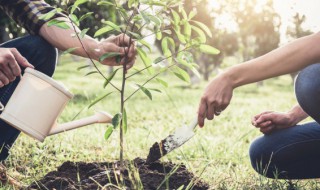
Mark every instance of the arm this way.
pixel 270 121
pixel 290 58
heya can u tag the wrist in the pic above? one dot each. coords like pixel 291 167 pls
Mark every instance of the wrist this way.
pixel 92 47
pixel 233 77
pixel 296 115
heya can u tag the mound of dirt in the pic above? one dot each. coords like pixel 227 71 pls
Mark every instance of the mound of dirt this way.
pixel 106 175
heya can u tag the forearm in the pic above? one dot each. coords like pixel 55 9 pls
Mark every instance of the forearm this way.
pixel 287 59
pixel 297 114
pixel 64 39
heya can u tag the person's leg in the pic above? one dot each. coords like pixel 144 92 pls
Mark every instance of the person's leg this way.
pixel 44 57
pixel 307 89
pixel 293 153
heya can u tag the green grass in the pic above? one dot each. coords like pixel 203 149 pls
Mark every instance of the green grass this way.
pixel 219 151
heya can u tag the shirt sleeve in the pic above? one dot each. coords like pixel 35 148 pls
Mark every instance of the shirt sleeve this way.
pixel 27 13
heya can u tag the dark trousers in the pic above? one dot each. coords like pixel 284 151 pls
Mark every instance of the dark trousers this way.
pixel 43 57
pixel 294 153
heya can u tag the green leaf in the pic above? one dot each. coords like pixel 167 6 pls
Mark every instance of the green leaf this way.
pixel 76 5
pixel 107 81
pixel 162 82
pixel 164 44
pixel 155 89
pixel 159 35
pixel 82 67
pixel 74 19
pixel 136 35
pixel 103 31
pixel 145 43
pixel 106 3
pixel 196 72
pixel 145 59
pixel 157 3
pixel 85 16
pixel 203 27
pixel 91 72
pixel 209 49
pixel 58 23
pixel 145 91
pixel 116 120
pixel 181 74
pixel 112 25
pixel 158 60
pixel 202 36
pixel 99 99
pixel 108 55
pixel 184 14
pixel 192 14
pixel 181 187
pixel 187 29
pixel 130 3
pixel 176 17
pixel 124 121
pixel 155 20
pixel 48 15
pixel 84 32
pixel 69 50
pixel 108 132
pixel 180 37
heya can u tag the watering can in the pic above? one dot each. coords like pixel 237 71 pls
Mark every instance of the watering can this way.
pixel 37 103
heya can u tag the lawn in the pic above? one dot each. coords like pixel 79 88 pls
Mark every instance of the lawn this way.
pixel 218 152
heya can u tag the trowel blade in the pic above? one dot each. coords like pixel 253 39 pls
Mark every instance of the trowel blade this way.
pixel 173 141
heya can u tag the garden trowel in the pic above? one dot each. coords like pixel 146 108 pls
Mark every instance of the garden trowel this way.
pixel 173 141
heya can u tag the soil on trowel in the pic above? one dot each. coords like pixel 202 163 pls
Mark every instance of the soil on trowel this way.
pixel 106 175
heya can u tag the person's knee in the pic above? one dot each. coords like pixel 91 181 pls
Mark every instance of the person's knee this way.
pixel 307 88
pixel 261 159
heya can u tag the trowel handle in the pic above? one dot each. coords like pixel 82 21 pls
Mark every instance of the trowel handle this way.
pixel 193 124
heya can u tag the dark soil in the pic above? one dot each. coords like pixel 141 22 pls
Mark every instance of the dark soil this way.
pixel 156 152
pixel 138 175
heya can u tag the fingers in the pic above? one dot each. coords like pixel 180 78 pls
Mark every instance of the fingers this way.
pixel 123 40
pixel 202 112
pixel 10 59
pixel 20 60
pixel 268 130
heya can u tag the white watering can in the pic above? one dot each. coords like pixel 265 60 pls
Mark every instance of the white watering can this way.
pixel 36 104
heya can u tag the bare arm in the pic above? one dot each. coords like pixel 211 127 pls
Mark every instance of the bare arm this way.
pixel 289 58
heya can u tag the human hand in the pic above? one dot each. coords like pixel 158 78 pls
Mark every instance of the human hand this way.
pixel 215 99
pixel 10 59
pixel 271 121
pixel 118 44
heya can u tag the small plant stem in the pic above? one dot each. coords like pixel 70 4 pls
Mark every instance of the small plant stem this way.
pixel 124 71
pixel 154 76
pixel 88 55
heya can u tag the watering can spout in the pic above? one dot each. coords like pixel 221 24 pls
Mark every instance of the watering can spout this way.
pixel 99 117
